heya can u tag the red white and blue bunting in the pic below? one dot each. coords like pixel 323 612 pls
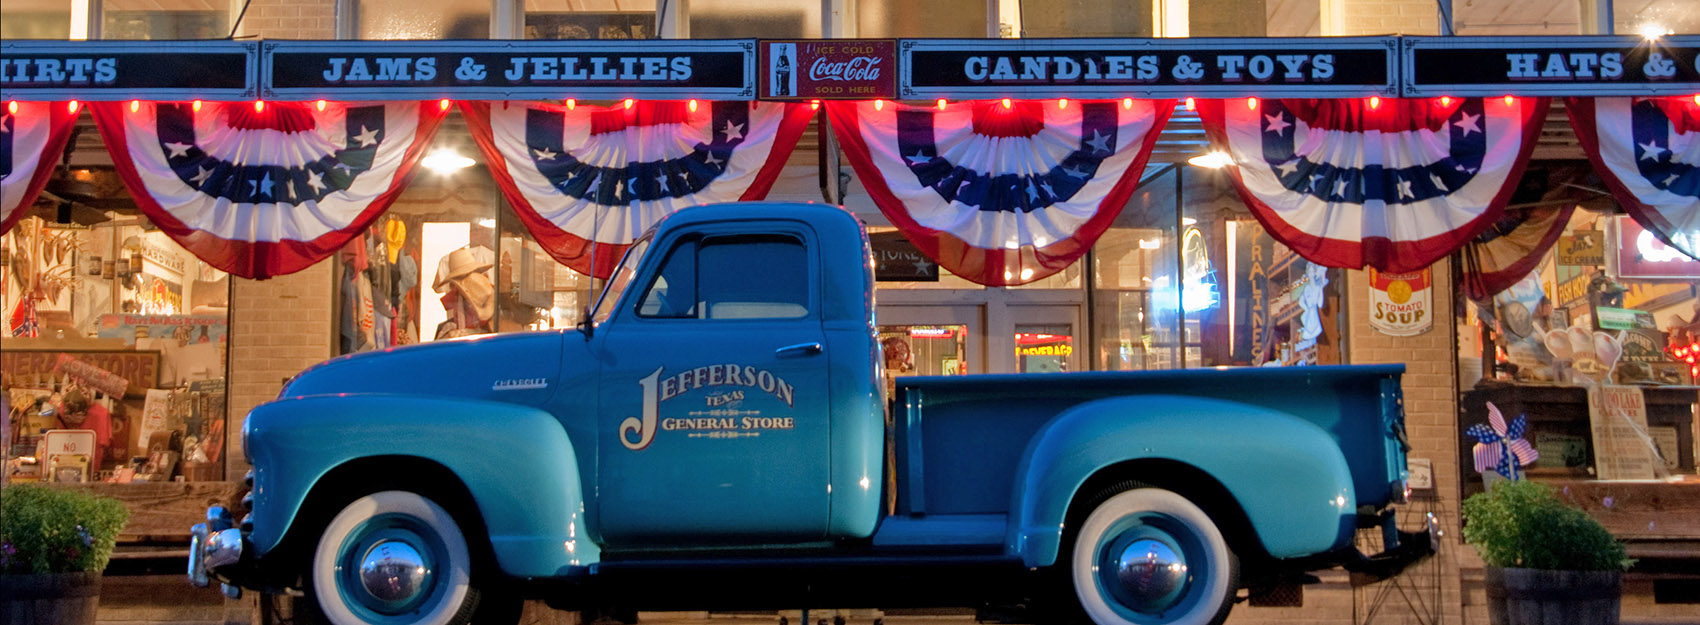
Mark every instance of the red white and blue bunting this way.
pixel 588 180
pixel 32 137
pixel 1393 184
pixel 260 193
pixel 1648 152
pixel 1001 193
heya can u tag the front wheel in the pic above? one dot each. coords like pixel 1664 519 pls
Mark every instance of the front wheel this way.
pixel 393 557
pixel 1148 556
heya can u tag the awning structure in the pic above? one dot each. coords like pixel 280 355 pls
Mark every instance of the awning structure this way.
pixel 583 174
pixel 1008 161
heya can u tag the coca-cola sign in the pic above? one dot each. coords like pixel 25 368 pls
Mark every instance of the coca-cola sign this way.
pixel 829 69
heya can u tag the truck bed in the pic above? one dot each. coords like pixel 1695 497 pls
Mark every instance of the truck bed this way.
pixel 961 438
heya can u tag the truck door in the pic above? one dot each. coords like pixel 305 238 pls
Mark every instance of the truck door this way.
pixel 714 424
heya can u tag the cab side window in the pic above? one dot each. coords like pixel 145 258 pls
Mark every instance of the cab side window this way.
pixel 731 277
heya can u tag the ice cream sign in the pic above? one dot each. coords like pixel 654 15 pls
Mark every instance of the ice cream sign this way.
pixel 1640 254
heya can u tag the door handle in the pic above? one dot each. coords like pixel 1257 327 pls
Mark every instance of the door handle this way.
pixel 798 351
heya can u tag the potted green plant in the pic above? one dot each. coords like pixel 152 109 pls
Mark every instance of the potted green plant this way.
pixel 54 542
pixel 1545 559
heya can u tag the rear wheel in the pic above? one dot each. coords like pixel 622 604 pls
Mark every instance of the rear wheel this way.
pixel 1148 556
pixel 393 557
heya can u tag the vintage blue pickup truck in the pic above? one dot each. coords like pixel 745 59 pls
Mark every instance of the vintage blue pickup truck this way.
pixel 717 433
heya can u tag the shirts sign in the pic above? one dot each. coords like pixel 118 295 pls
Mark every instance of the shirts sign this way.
pixel 126 70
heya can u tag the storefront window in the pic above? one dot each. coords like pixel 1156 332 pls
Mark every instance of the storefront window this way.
pixel 113 367
pixel 1525 17
pixel 427 269
pixel 423 19
pixel 1136 318
pixel 616 19
pixel 1594 351
pixel 35 19
pixel 1677 17
pixel 167 19
pixel 771 19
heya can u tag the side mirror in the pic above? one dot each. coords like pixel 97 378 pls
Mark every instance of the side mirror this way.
pixel 585 325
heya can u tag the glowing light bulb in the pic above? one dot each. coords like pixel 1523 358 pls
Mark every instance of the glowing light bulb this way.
pixel 1509 100
pixel 1374 102
pixel 196 105
pixel 135 105
pixel 629 103
pixel 814 105
pixel 319 105
pixel 571 104
pixel 72 106
pixel 941 104
pixel 879 105
pixel 1446 100
pixel 1063 103
pixel 1127 103
pixel 1191 104
pixel 443 105
pixel 259 106
pixel 692 105
pixel 1006 103
pixel 1251 103
pixel 12 107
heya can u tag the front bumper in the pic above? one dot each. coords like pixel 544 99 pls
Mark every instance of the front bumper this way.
pixel 1401 550
pixel 216 550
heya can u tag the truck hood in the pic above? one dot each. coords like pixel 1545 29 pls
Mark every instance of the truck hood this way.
pixel 522 368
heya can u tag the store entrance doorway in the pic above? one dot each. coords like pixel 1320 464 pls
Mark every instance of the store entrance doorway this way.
pixel 991 331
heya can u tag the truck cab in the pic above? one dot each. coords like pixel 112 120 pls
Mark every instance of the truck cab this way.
pixel 735 391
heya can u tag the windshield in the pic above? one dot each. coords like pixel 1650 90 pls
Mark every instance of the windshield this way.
pixel 618 282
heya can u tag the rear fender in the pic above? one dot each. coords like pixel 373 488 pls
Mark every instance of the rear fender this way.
pixel 515 461
pixel 1287 475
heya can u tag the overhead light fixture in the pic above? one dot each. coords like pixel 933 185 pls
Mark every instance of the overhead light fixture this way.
pixel 447 161
pixel 1214 159
pixel 1651 31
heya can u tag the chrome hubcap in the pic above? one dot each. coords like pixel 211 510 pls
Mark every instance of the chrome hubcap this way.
pixel 395 574
pixel 1151 574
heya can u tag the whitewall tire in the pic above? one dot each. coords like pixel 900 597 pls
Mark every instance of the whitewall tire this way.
pixel 1148 556
pixel 390 558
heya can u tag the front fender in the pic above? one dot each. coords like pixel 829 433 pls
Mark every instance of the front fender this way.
pixel 1288 475
pixel 516 461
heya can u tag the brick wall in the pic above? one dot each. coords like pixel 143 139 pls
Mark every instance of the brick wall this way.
pixel 278 327
pixel 1430 406
pixel 291 19
pixel 1389 17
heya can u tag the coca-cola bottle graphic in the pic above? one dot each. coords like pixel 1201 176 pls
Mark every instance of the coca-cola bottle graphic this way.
pixel 782 72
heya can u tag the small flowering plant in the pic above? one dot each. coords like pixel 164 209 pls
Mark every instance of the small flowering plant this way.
pixel 53 530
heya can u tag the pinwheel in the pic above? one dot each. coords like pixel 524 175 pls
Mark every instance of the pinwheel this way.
pixel 1497 445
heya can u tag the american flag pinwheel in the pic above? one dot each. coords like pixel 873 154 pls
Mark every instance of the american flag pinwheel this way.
pixel 1497 444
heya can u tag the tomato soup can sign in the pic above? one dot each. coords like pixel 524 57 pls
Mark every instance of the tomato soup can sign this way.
pixel 1401 304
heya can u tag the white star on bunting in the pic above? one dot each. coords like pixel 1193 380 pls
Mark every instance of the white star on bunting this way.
pixel 367 137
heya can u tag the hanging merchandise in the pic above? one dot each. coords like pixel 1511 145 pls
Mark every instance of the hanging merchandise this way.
pixel 265 189
pixel 578 175
pixel 32 136
pixel 1001 193
pixel 1648 152
pixel 1392 184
